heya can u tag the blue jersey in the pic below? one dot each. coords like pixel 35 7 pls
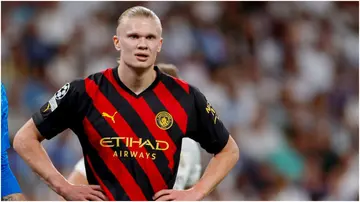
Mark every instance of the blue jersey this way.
pixel 5 144
pixel 9 184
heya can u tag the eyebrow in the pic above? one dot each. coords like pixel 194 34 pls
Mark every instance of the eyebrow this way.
pixel 151 35
pixel 146 35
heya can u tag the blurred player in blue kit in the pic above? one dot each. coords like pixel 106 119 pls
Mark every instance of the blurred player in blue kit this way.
pixel 10 189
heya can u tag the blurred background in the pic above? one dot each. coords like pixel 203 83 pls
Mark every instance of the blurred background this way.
pixel 283 77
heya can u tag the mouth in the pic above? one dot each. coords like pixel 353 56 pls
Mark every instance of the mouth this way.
pixel 141 56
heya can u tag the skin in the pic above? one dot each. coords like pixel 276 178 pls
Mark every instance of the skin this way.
pixel 134 35
pixel 138 35
pixel 218 167
pixel 27 143
pixel 14 197
pixel 76 177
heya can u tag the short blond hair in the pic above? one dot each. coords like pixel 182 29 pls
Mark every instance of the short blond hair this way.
pixel 169 69
pixel 139 11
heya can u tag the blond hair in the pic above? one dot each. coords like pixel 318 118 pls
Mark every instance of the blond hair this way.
pixel 169 69
pixel 139 11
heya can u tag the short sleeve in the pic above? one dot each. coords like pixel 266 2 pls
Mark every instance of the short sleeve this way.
pixel 59 113
pixel 205 125
pixel 5 142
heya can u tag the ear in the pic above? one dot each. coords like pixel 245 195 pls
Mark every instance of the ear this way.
pixel 116 43
pixel 160 45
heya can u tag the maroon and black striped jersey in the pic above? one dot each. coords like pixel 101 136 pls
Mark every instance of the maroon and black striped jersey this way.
pixel 131 142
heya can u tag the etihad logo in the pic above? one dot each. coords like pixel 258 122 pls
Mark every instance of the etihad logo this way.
pixel 129 142
pixel 104 114
pixel 164 120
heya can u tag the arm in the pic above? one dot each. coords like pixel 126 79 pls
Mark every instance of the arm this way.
pixel 27 143
pixel 218 167
pixel 10 189
pixel 53 118
pixel 14 197
pixel 206 128
pixel 78 175
pixel 212 135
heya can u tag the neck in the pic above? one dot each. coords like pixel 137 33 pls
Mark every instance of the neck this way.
pixel 136 80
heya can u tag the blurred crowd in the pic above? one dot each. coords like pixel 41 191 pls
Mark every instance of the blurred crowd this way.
pixel 283 77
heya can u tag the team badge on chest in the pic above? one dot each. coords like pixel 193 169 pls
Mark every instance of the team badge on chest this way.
pixel 164 120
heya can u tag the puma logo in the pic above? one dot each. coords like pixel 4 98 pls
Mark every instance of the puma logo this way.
pixel 104 114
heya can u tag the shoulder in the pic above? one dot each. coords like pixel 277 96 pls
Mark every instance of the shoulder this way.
pixel 179 85
pixel 198 97
pixel 79 85
pixel 175 83
pixel 71 89
pixel 98 76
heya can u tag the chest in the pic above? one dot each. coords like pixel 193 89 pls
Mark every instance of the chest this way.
pixel 148 120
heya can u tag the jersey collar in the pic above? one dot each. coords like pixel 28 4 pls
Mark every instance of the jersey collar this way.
pixel 123 86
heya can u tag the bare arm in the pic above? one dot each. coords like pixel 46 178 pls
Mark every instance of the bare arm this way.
pixel 218 167
pixel 27 143
pixel 14 197
pixel 76 178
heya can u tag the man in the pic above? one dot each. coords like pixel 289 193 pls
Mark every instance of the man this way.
pixel 190 161
pixel 10 189
pixel 130 121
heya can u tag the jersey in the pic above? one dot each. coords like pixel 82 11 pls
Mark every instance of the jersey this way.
pixel 132 142
pixel 189 168
pixel 5 143
pixel 9 184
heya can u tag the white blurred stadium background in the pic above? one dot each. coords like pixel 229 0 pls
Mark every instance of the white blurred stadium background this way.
pixel 283 77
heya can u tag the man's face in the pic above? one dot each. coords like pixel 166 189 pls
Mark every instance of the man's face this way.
pixel 139 40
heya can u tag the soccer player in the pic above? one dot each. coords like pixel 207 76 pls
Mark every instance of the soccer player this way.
pixel 190 161
pixel 10 189
pixel 130 121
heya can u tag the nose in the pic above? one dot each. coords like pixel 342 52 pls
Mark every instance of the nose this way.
pixel 142 44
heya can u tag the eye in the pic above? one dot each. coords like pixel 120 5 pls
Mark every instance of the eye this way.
pixel 133 36
pixel 150 37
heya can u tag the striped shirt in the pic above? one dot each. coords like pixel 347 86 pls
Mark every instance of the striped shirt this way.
pixel 132 143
